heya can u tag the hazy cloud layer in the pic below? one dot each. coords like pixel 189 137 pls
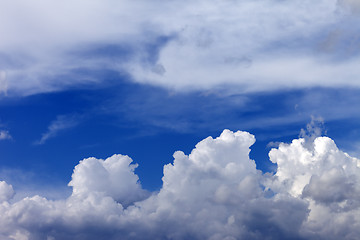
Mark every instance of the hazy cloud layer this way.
pixel 3 82
pixel 216 192
pixel 253 45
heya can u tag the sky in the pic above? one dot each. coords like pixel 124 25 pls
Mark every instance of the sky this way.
pixel 217 119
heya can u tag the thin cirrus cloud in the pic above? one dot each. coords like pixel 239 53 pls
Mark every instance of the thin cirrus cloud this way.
pixel 216 192
pixel 62 122
pixel 251 45
pixel 5 135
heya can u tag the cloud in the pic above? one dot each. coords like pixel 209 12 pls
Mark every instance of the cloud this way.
pixel 183 45
pixel 4 135
pixel 215 192
pixel 313 130
pixel 351 5
pixel 328 179
pixel 61 123
pixel 6 191
pixel 113 177
pixel 3 82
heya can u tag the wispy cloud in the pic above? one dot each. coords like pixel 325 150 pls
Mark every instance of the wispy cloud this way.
pixel 4 135
pixel 61 123
pixel 196 111
pixel 251 45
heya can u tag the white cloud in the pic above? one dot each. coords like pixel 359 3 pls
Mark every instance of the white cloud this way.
pixel 328 179
pixel 251 45
pixel 3 82
pixel 61 123
pixel 6 191
pixel 113 177
pixel 216 192
pixel 4 134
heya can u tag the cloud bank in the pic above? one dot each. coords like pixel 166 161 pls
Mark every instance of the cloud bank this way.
pixel 215 192
pixel 251 45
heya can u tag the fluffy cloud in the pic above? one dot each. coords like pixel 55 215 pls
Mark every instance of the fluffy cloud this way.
pixel 254 45
pixel 328 179
pixel 6 191
pixel 215 192
pixel 113 177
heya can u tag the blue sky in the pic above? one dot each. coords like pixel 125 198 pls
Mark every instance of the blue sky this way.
pixel 87 80
pixel 149 124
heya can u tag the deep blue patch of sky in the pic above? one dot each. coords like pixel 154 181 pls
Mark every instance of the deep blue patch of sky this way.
pixel 149 124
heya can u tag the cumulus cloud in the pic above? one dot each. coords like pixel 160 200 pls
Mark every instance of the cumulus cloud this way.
pixel 328 179
pixel 61 123
pixel 215 192
pixel 254 45
pixel 112 177
pixel 6 191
